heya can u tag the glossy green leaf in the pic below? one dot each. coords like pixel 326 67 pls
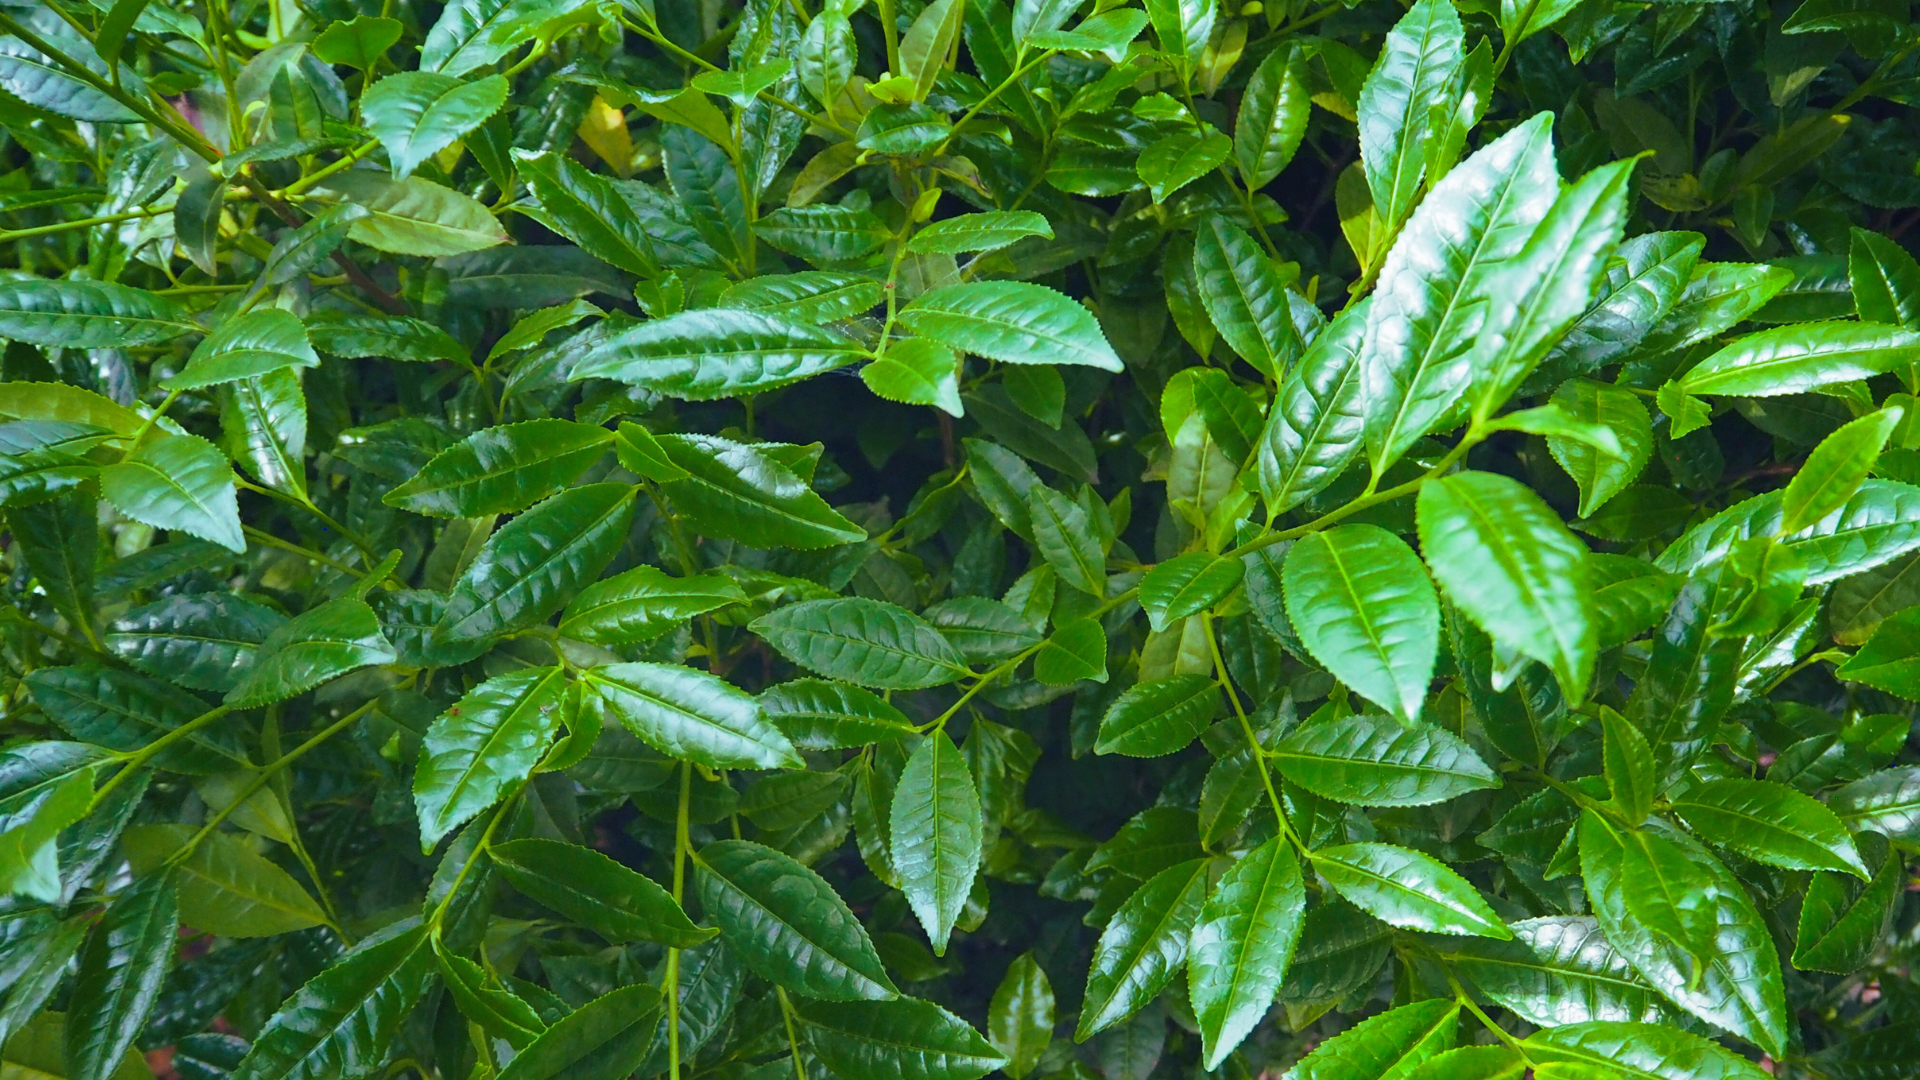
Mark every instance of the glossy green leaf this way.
pixel 1246 296
pixel 1408 889
pixel 481 998
pixel 340 1022
pixel 1796 359
pixel 1317 424
pixel 1635 1051
pixel 1556 971
pixel 1272 118
pixel 414 216
pixel 1886 802
pixel 1184 27
pixel 177 482
pixel 596 892
pixel 1388 1045
pixel 1836 468
pixel 1014 322
pixel 355 335
pixel 643 603
pixel 868 642
pixel 1602 475
pixel 736 491
pixel 118 979
pixel 1376 761
pixel 934 826
pixel 123 711
pixel 88 314
pixel 1020 1019
pixel 1064 533
pixel 44 788
pixel 1433 295
pixel 820 715
pixel 1414 76
pixel 788 924
pixel 246 347
pixel 1629 767
pixel 1187 585
pixel 537 562
pixel 1158 717
pixel 1365 608
pixel 1179 159
pixel 1885 281
pixel 691 715
pixel 1770 823
pixel 323 643
pixel 482 746
pixel 502 469
pixel 1242 944
pixel 224 886
pixel 917 371
pixel 605 1039
pixel 717 353
pixel 905 1038
pixel 1144 946
pixel 417 114
pixel 1505 559
pixel 989 231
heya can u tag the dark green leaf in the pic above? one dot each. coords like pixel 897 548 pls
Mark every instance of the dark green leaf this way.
pixel 788 924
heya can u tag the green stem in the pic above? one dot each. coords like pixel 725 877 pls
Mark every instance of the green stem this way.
pixel 473 858
pixel 290 547
pixel 139 758
pixel 82 223
pixel 347 161
pixel 1253 740
pixel 680 845
pixel 176 128
pixel 1005 84
pixel 1330 517
pixel 793 1044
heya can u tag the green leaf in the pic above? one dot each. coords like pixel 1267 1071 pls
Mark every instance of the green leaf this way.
pixel 1020 1018
pixel 502 470
pixel 1435 291
pixel 788 924
pixel 1641 284
pixel 1065 537
pixel 89 314
pixel 1632 1051
pixel 1887 802
pixel 716 353
pixel 480 998
pixel 605 1039
pixel 1888 661
pixel 1143 947
pixel 935 829
pixel 353 335
pixel 1158 717
pixel 1407 889
pixel 1602 475
pixel 1736 984
pixel 1878 524
pixel 1770 823
pixel 122 711
pixel 1885 281
pixel 264 421
pixel 820 715
pixel 359 42
pixel 1555 971
pixel 736 491
pixel 1187 585
pixel 1385 1046
pixel 1184 28
pixel 1076 650
pixel 538 561
pixel 1272 118
pixel 902 1039
pixel 44 788
pixel 1836 468
pixel 983 630
pixel 482 746
pixel 1414 77
pixel 41 458
pixel 596 892
pixel 1375 761
pixel 989 231
pixel 816 296
pixel 643 604
pixel 1629 765
pixel 224 886
pixel 247 347
pixel 1796 359
pixel 417 114
pixel 1841 924
pixel 1032 17
pixel 118 980
pixel 35 78
pixel 302 250
pixel 203 642
pixel 823 234
pixel 591 210
pixel 1246 296
pixel 917 371
pixel 68 404
pixel 1364 608
pixel 691 715
pixel 1505 559
pixel 471 34
pixel 1317 424
pixel 1242 944
pixel 177 482
pixel 1014 322
pixel 342 1021
pixel 323 643
pixel 414 216
pixel 1179 159
pixel 869 642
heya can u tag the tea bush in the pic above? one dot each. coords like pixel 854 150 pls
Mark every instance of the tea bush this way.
pixel 892 541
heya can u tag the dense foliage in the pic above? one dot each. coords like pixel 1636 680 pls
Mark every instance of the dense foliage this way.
pixel 882 541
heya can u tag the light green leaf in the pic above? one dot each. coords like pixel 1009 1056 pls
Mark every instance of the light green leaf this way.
pixel 1556 971
pixel 1414 78
pixel 246 347
pixel 816 296
pixel 1770 823
pixel 1796 359
pixel 1272 118
pixel 917 371
pixel 1143 947
pixel 1187 585
pixel 417 114
pixel 1375 761
pixel 177 482
pixel 935 830
pixel 225 887
pixel 1407 889
pixel 1317 424
pixel 1242 944
pixel 988 231
pixel 1885 281
pixel 1363 606
pixel 642 604
pixel 1602 475
pixel 869 642
pixel 322 643
pixel 716 353
pixel 820 715
pixel 414 216
pixel 1836 468
pixel 1179 159
pixel 1020 1018
pixel 1386 1046
pixel 1246 296
pixel 1015 322
pixel 1506 560
pixel 1632 1051
pixel 1184 28
pixel 691 715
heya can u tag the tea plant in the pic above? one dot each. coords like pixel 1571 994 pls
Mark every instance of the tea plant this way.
pixel 717 539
